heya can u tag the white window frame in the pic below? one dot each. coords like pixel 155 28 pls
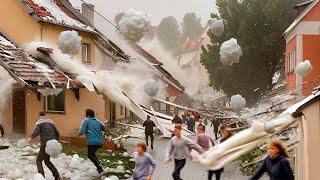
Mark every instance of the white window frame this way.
pixel 85 52
pixel 292 60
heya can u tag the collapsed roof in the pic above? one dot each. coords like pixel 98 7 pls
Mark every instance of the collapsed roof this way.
pixel 28 71
pixel 62 13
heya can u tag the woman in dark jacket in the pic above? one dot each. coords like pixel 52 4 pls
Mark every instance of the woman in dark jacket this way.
pixel 276 164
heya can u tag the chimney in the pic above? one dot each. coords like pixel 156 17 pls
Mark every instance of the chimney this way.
pixel 88 12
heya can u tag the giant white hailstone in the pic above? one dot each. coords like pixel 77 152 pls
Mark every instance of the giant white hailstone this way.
pixel 38 177
pixel 151 88
pixel 217 26
pixel 53 148
pixel 303 68
pixel 120 169
pixel 69 42
pixel 113 177
pixel 208 99
pixel 22 143
pixel 269 127
pixel 230 52
pixel 134 24
pixel 237 102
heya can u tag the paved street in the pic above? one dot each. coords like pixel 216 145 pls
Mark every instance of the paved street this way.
pixel 191 171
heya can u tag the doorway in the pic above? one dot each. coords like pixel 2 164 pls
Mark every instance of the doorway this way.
pixel 18 111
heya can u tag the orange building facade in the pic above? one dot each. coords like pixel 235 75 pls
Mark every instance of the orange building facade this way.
pixel 303 43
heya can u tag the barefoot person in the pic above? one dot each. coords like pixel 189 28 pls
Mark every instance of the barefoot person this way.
pixel 276 164
pixel 148 130
pixel 178 150
pixel 144 163
pixel 47 131
pixel 93 129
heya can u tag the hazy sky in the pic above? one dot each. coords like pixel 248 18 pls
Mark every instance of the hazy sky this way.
pixel 156 9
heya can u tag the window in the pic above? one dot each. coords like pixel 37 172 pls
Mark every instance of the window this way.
pixel 121 110
pixel 85 53
pixel 287 64
pixel 292 60
pixel 55 103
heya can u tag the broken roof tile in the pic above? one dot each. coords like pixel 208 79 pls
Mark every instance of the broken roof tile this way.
pixel 26 68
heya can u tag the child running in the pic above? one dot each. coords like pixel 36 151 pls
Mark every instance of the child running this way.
pixel 178 149
pixel 204 139
pixel 145 165
pixel 276 164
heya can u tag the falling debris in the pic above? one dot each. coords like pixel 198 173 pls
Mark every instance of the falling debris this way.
pixel 86 81
pixel 69 42
pixel 303 68
pixel 22 143
pixel 230 52
pixel 269 127
pixel 151 88
pixel 217 26
pixel 6 82
pixel 208 99
pixel 53 148
pixel 31 49
pixel 237 102
pixel 134 24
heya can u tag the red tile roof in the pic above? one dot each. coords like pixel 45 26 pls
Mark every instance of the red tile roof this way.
pixel 38 10
pixel 55 12
pixel 66 10
pixel 26 69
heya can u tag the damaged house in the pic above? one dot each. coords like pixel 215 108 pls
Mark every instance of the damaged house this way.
pixel 24 21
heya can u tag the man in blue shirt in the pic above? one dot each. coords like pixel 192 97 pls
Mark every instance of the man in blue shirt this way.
pixel 93 128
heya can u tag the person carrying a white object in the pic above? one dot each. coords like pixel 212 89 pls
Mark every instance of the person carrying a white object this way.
pixel 145 164
pixel 47 131
pixel 179 149
pixel 93 129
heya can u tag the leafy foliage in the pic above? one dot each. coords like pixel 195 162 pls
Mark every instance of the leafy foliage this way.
pixel 247 158
pixel 191 26
pixel 168 33
pixel 258 26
